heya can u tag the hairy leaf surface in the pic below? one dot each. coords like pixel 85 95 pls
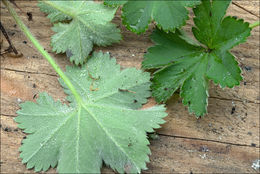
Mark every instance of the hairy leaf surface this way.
pixel 107 125
pixel 79 25
pixel 183 64
pixel 168 15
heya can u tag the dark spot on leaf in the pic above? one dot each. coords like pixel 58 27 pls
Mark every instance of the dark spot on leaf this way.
pixel 135 101
pixel 29 15
pixel 210 14
pixel 253 144
pixel 122 90
pixel 165 89
pixel 233 110
pixel 188 102
pixel 209 50
pixel 25 42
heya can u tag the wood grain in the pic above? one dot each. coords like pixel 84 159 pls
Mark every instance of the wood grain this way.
pixel 224 141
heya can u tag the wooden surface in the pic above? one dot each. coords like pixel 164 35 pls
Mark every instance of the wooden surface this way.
pixel 221 142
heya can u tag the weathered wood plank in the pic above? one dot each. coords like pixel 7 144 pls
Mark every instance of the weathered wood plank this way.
pixel 169 154
pixel 227 122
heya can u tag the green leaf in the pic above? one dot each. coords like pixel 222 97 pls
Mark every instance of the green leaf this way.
pixel 183 64
pixel 114 3
pixel 168 15
pixel 84 23
pixel 169 47
pixel 217 32
pixel 107 125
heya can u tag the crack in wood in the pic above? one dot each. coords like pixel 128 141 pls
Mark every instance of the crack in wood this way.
pixel 243 8
pixel 182 137
pixel 8 115
pixel 29 72
pixel 236 100
pixel 201 139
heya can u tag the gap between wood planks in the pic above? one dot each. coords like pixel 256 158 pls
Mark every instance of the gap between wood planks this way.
pixel 29 72
pixel 53 75
pixel 182 137
pixel 239 6
pixel 201 139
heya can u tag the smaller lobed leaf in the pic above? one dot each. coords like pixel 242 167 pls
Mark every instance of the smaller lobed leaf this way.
pixel 90 23
pixel 137 15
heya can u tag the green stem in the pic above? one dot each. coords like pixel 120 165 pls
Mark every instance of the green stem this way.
pixel 255 24
pixel 45 54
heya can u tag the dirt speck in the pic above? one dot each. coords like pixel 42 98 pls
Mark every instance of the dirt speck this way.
pixel 233 110
pixel 30 16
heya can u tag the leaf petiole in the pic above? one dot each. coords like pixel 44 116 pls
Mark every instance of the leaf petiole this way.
pixel 255 24
pixel 42 51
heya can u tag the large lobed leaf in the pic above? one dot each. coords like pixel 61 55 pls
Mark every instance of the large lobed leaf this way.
pixel 168 15
pixel 80 25
pixel 187 66
pixel 107 125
